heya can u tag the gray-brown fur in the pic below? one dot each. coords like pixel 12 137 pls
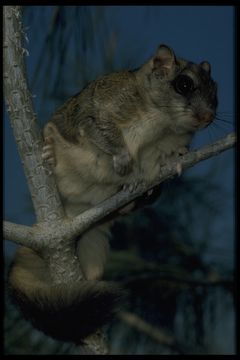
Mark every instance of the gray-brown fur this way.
pixel 119 130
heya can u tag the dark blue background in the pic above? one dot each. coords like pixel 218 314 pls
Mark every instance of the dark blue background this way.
pixel 196 33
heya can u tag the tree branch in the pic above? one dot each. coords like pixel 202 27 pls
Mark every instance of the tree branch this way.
pixel 42 186
pixel 44 193
pixel 20 234
pixel 152 331
pixel 83 221
pixel 76 226
pixel 23 120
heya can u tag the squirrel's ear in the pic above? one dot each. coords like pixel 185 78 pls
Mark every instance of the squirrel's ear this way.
pixel 164 60
pixel 206 66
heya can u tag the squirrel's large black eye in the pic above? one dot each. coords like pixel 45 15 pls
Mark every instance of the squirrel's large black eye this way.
pixel 183 84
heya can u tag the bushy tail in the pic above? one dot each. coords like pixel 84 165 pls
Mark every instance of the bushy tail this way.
pixel 66 313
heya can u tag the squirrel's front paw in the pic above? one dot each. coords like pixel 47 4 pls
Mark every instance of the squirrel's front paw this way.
pixel 122 163
pixel 182 150
pixel 48 152
pixel 133 186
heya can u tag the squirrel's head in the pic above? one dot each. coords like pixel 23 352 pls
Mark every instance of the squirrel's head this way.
pixel 182 89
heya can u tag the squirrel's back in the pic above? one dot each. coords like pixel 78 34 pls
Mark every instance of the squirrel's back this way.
pixel 116 93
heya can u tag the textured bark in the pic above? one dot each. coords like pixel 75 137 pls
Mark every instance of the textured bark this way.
pixel 96 343
pixel 22 235
pixel 56 247
pixel 42 186
pixel 171 169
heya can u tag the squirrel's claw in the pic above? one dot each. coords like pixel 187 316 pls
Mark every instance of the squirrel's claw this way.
pixel 133 186
pixel 48 152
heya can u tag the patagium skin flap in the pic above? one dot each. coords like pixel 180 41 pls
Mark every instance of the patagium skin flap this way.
pixel 119 130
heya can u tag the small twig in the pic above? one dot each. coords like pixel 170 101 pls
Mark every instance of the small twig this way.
pixel 153 332
pixel 21 234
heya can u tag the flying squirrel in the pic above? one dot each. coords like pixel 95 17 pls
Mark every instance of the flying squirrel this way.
pixel 122 127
